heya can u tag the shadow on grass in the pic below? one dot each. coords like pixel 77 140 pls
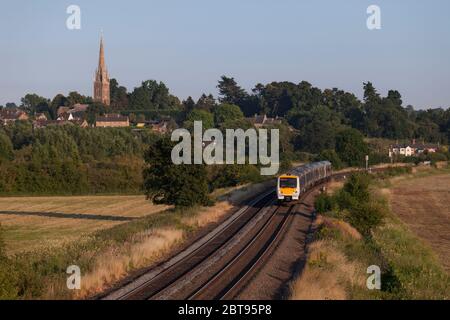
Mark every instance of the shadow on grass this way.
pixel 68 215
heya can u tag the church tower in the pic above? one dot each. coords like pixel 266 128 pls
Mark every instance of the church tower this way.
pixel 101 82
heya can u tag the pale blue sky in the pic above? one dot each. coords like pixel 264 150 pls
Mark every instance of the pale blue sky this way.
pixel 190 44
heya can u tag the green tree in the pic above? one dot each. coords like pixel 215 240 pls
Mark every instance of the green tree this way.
pixel 227 112
pixel 33 103
pixel 188 104
pixel 119 95
pixel 75 97
pixel 206 102
pixel 10 105
pixel 207 119
pixel 166 183
pixel 152 95
pixel 95 110
pixel 316 129
pixel 350 147
pixel 332 156
pixel 58 101
pixel 6 148
pixel 230 92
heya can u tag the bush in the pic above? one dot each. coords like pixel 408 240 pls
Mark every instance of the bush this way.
pixel 436 157
pixel 323 203
pixel 366 216
pixel 358 186
pixel 344 200
pixel 356 205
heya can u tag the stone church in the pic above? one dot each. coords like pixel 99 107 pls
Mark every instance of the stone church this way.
pixel 101 82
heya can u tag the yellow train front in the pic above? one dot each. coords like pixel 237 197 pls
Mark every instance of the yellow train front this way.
pixel 292 185
pixel 288 188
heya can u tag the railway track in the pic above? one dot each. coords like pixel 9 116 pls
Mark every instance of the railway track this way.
pixel 153 282
pixel 234 253
pixel 221 263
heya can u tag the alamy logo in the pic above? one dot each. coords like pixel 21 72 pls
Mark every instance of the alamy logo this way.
pixel 374 20
pixel 210 147
pixel 374 280
pixel 74 280
pixel 73 22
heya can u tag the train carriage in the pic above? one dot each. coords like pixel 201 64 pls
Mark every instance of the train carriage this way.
pixel 292 185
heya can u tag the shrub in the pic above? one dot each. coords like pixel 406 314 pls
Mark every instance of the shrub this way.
pixel 366 216
pixel 323 203
pixel 344 200
pixel 358 186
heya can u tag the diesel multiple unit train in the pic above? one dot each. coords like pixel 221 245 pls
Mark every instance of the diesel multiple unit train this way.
pixel 292 185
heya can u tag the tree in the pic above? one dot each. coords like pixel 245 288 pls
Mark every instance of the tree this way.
pixel 227 112
pixel 166 183
pixel 206 102
pixel 33 103
pixel 204 116
pixel 58 101
pixel 230 92
pixel 350 147
pixel 10 105
pixel 370 93
pixel 119 95
pixel 6 148
pixel 152 95
pixel 395 97
pixel 332 156
pixel 188 104
pixel 75 98
pixel 94 110
pixel 316 129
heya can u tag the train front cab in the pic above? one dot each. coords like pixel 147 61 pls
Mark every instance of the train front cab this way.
pixel 288 188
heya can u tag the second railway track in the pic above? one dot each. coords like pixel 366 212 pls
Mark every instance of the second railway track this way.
pixel 219 267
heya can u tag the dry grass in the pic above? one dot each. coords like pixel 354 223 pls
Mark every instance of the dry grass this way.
pixel 52 224
pixel 345 229
pixel 227 200
pixel 115 263
pixel 423 204
pixel 31 223
pixel 334 186
pixel 328 273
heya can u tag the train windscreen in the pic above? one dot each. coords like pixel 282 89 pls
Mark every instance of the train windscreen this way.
pixel 288 183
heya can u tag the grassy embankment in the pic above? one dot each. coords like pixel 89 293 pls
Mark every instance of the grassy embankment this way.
pixel 106 251
pixel 349 240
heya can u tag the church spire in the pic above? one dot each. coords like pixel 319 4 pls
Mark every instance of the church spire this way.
pixel 101 83
pixel 101 56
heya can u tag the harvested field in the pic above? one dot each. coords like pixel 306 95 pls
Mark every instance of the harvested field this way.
pixel 423 204
pixel 31 223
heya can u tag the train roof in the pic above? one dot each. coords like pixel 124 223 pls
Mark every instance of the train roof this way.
pixel 310 166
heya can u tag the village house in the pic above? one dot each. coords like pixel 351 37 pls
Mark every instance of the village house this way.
pixel 112 120
pixel 161 127
pixel 46 123
pixel 12 115
pixel 260 121
pixel 413 148
pixel 77 111
pixel 40 116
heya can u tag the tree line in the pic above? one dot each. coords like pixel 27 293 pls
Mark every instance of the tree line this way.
pixel 317 124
